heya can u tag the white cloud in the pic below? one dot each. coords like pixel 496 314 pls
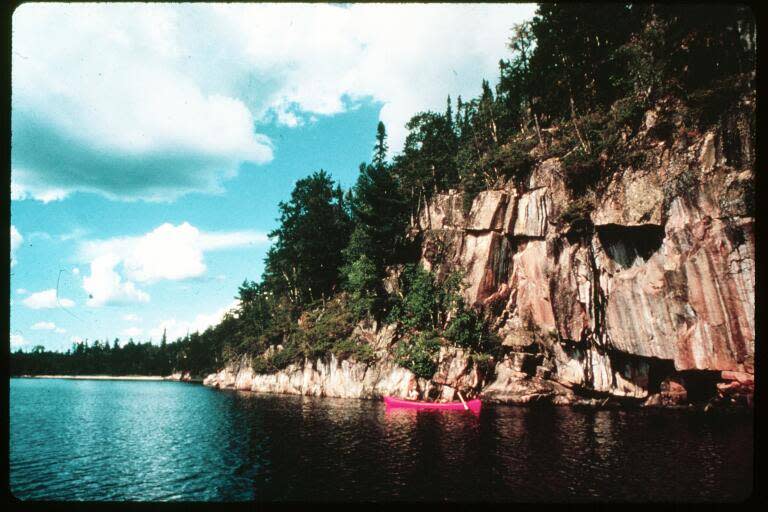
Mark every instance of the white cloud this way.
pixel 152 101
pixel 48 326
pixel 167 252
pixel 76 271
pixel 407 56
pixel 17 340
pixel 22 291
pixel 131 317
pixel 44 326
pixel 46 299
pixel 176 328
pixel 106 287
pixel 132 331
pixel 107 83
pixel 76 339
pixel 16 240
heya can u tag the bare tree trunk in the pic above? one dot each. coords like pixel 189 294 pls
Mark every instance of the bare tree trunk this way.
pixel 584 144
pixel 493 130
pixel 536 124
pixel 426 207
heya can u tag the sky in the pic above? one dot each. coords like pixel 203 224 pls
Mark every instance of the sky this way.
pixel 151 143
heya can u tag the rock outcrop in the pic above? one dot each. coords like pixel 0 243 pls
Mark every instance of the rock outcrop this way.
pixel 350 379
pixel 660 288
pixel 652 300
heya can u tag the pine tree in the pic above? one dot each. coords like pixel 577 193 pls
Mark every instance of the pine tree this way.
pixel 380 149
pixel 304 262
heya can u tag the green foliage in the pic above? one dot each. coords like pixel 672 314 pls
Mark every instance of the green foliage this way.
pixel 303 264
pixel 572 58
pixel 363 281
pixel 426 164
pixel 380 149
pixel 576 215
pixel 321 327
pixel 425 303
pixel 627 112
pixel 577 77
pixel 471 184
pixel 513 159
pixel 581 171
pixel 466 329
pixel 419 354
pixel 706 105
pixel 349 348
pixel 418 309
pixel 380 215
pixel 281 359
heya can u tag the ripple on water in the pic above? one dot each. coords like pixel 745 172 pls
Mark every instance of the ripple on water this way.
pixel 165 441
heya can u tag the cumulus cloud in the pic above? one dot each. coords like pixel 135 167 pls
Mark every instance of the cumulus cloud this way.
pixel 48 326
pixel 106 287
pixel 131 317
pixel 47 299
pixel 16 240
pixel 44 326
pixel 406 56
pixel 153 101
pixel 100 104
pixel 176 328
pixel 168 251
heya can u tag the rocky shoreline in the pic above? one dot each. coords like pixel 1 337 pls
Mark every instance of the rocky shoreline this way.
pixel 645 296
pixel 508 383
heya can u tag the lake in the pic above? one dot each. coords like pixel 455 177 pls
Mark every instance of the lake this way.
pixel 139 441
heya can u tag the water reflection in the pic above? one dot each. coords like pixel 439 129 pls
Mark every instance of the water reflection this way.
pixel 173 441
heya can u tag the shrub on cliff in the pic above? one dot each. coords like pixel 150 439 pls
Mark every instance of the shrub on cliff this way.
pixel 323 326
pixel 363 280
pixel 425 303
pixel 581 171
pixel 419 354
pixel 466 329
pixel 575 215
pixel 417 308
pixel 352 348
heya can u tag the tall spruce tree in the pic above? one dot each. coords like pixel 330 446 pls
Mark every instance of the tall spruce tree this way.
pixel 303 264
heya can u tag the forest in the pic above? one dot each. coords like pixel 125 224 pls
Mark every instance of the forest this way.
pixel 575 84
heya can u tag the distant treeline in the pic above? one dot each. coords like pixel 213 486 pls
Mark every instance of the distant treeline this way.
pixel 105 358
pixel 579 79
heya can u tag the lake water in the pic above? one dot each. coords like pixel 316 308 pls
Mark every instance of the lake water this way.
pixel 118 440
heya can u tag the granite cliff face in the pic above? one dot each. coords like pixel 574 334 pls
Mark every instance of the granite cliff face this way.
pixel 657 294
pixel 648 296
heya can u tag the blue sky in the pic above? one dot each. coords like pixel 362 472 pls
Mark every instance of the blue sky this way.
pixel 152 143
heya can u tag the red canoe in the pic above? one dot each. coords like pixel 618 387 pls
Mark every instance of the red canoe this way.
pixel 400 403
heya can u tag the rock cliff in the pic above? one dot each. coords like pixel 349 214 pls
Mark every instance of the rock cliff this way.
pixel 648 296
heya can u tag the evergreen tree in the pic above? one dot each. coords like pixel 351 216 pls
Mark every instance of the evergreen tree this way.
pixel 380 149
pixel 303 264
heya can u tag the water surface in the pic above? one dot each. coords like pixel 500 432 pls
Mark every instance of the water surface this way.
pixel 120 440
